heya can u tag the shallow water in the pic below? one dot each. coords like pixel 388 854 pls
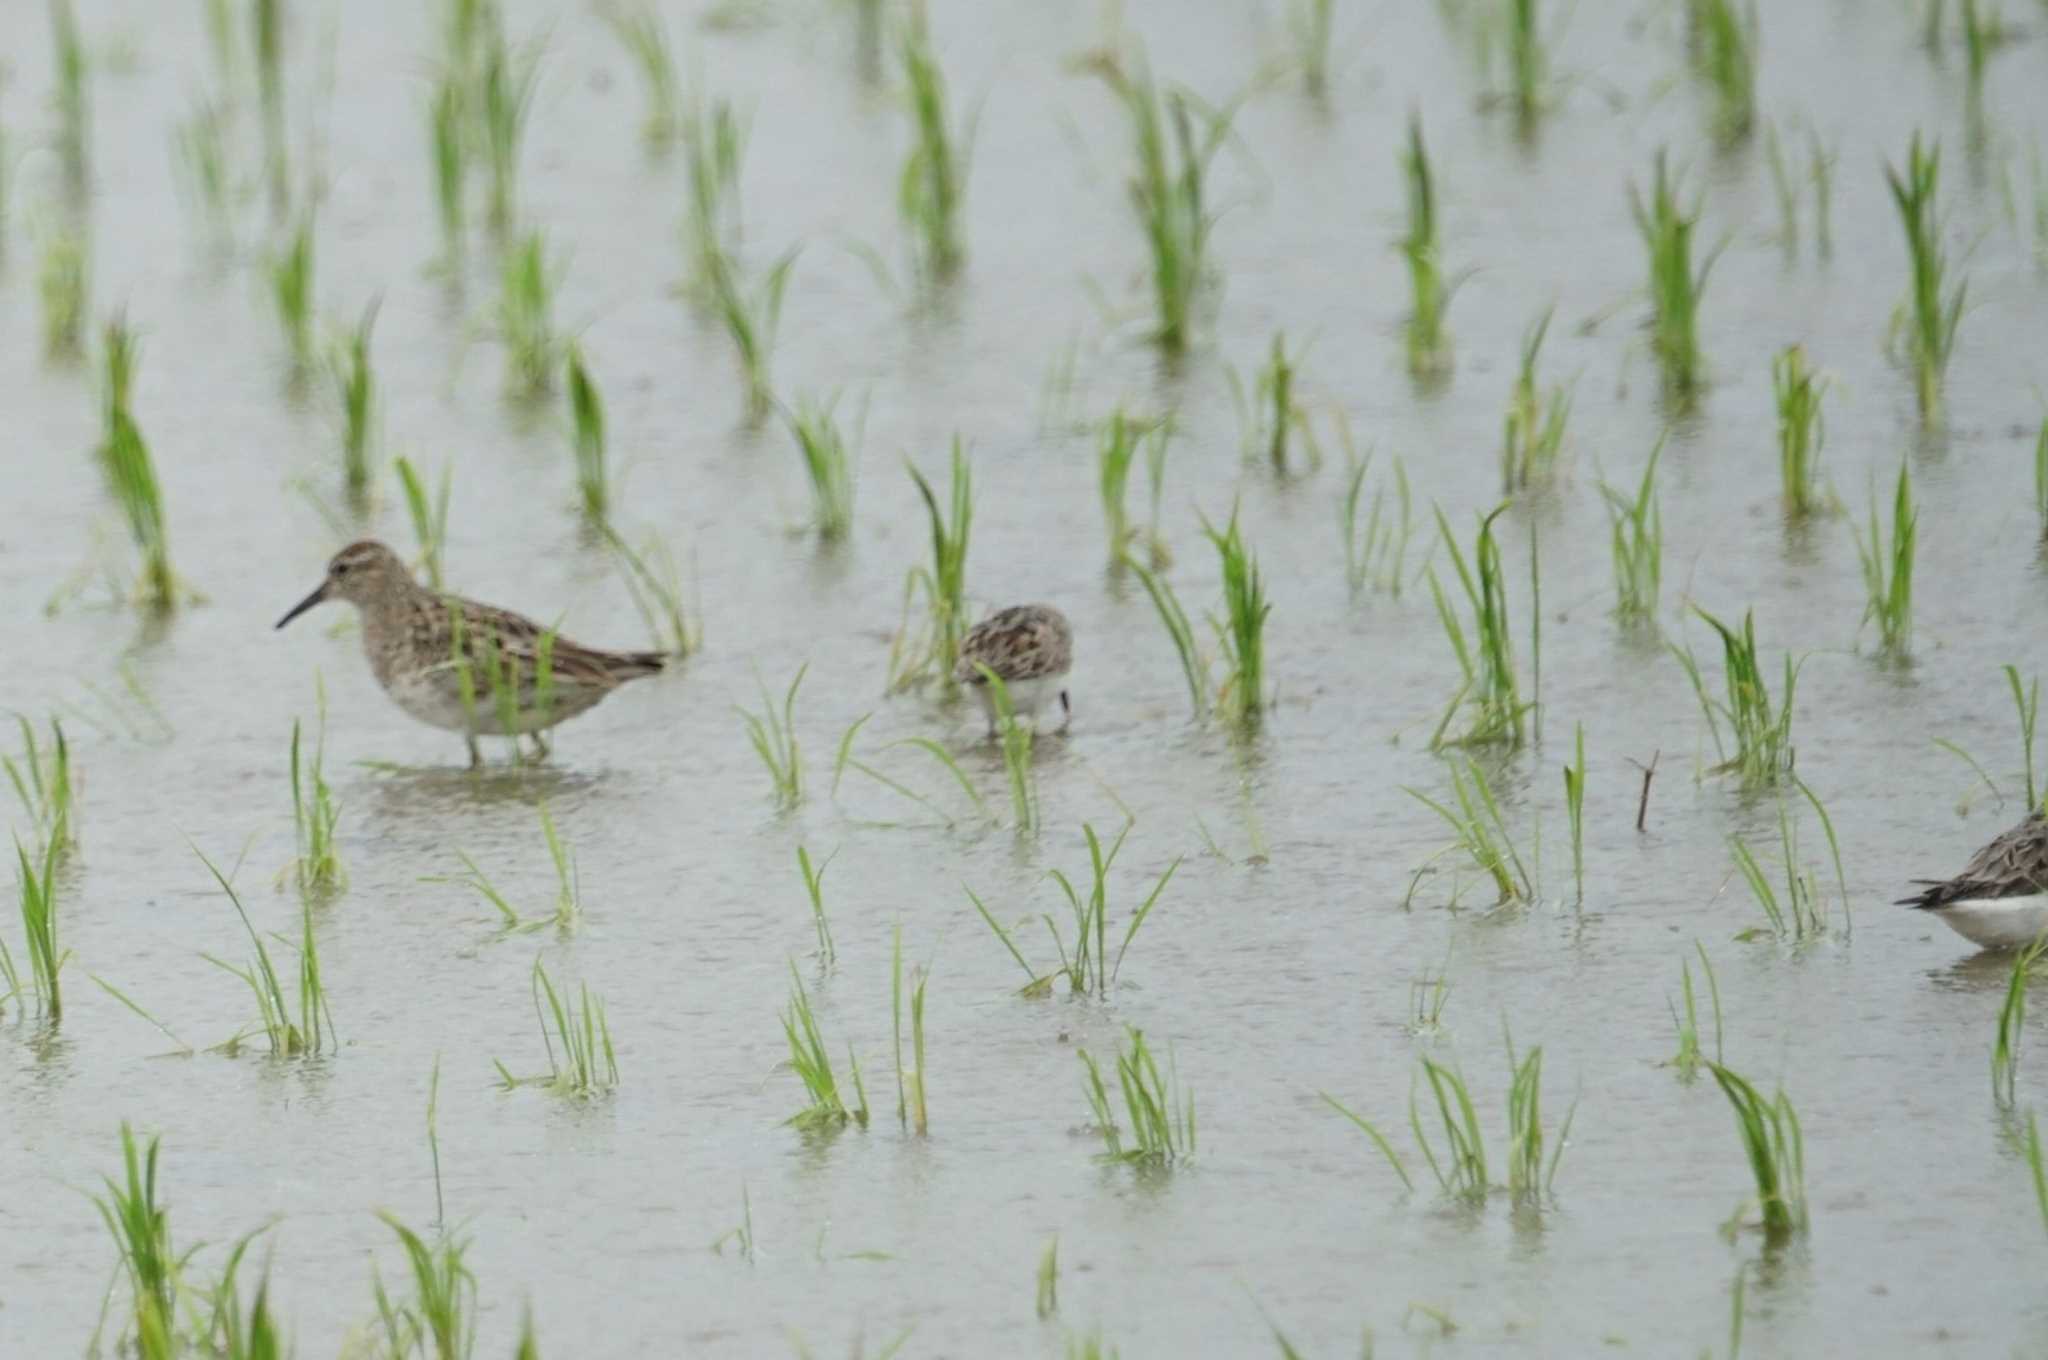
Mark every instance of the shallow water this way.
pixel 1281 960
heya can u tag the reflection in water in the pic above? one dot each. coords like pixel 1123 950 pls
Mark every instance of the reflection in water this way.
pixel 403 795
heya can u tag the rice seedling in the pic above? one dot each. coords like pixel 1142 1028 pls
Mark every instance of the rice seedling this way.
pixel 1727 60
pixel 1675 286
pixel 2012 1018
pixel 751 312
pixel 1799 916
pixel 1481 833
pixel 1534 429
pixel 1016 738
pixel 141 1228
pixel 1690 1056
pixel 1770 1135
pixel 1118 448
pixel 1309 24
pixel 1194 666
pixel 43 783
pixel 1934 309
pixel 1175 139
pixel 743 1234
pixel 2037 1163
pixel 429 515
pixel 504 98
pixel 2026 701
pixel 1529 1179
pixel 773 734
pixel 267 41
pixel 230 1332
pixel 1048 1301
pixel 642 33
pixel 568 893
pixel 1241 631
pixel 1888 570
pixel 1528 61
pixel 120 356
pixel 1274 413
pixel 1636 529
pixel 2041 478
pixel 133 476
pixel 934 182
pixel 291 291
pixel 355 386
pixel 1983 33
pixel 1490 685
pixel 448 140
pixel 1089 967
pixel 912 1108
pixel 61 285
pixel 586 1065
pixel 1161 1114
pixel 656 587
pixel 1376 550
pixel 828 463
pixel 73 69
pixel 714 144
pixel 1784 188
pixel 199 142
pixel 943 584
pixel 37 885
pixel 1429 349
pixel 526 324
pixel 814 887
pixel 1802 430
pixel 434 1137
pixel 1822 174
pixel 314 814
pixel 1760 728
pixel 440 1321
pixel 828 1111
pixel 312 1029
pixel 1575 807
pixel 1461 1170
pixel 586 414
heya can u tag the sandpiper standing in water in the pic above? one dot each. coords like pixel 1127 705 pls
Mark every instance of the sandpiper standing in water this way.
pixel 465 666
pixel 2000 899
pixel 1030 647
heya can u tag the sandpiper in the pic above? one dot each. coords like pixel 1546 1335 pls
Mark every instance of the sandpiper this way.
pixel 2000 899
pixel 1030 647
pixel 465 666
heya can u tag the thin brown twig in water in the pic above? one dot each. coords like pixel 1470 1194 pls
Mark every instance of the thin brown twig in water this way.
pixel 1643 804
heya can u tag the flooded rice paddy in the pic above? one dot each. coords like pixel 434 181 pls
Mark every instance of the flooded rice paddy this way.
pixel 1295 950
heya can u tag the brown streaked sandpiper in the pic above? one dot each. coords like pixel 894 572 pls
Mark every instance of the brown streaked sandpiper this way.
pixel 468 667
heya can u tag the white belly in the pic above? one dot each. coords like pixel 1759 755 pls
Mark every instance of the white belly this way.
pixel 1027 697
pixel 429 698
pixel 1998 922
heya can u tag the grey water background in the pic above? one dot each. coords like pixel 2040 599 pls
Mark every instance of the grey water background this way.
pixel 1282 960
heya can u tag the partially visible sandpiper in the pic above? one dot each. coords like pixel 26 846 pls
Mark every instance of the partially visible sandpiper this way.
pixel 465 666
pixel 1030 648
pixel 2000 899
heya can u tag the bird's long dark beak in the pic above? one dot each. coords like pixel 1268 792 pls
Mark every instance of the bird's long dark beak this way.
pixel 303 605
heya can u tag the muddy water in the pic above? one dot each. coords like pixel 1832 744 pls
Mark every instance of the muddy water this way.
pixel 1282 958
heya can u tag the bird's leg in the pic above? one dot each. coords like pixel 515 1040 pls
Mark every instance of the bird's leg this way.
pixel 1066 711
pixel 476 755
pixel 540 746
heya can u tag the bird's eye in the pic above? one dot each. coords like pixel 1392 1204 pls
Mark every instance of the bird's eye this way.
pixel 341 568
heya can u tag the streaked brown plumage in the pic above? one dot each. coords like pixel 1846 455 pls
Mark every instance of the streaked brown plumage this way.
pixel 1029 647
pixel 2013 865
pixel 463 665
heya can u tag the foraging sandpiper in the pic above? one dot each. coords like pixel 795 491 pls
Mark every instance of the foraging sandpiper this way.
pixel 465 666
pixel 2000 899
pixel 1030 648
